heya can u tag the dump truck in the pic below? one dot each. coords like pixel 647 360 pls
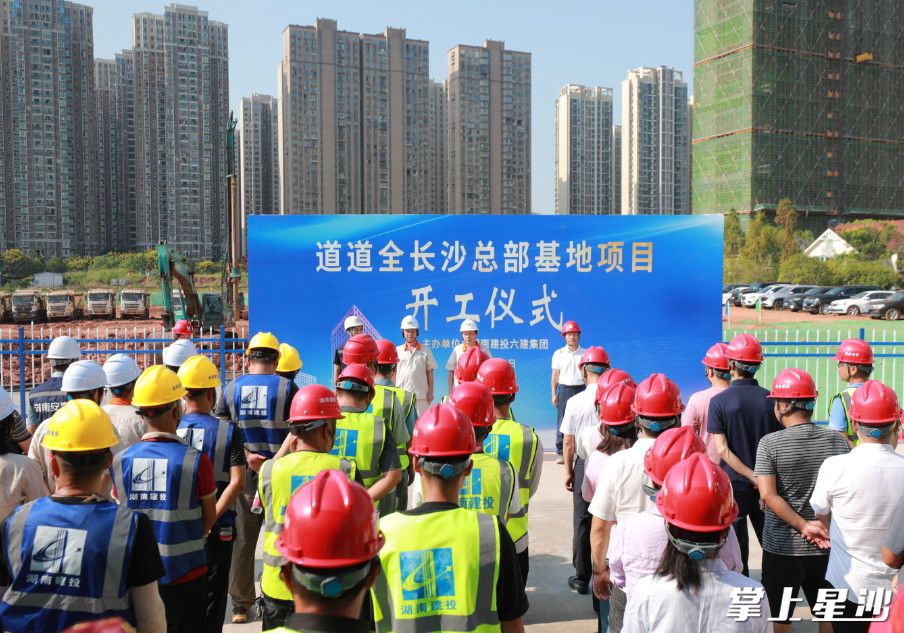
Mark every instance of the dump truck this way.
pixel 134 303
pixel 6 309
pixel 100 303
pixel 64 305
pixel 28 305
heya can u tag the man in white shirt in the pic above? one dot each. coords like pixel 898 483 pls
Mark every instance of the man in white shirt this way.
pixel 580 413
pixel 566 377
pixel 414 372
pixel 468 331
pixel 856 495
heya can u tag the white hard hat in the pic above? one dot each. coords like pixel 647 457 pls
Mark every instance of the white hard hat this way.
pixel 352 321
pixel 178 352
pixel 410 323
pixel 468 325
pixel 6 404
pixel 83 375
pixel 121 369
pixel 64 348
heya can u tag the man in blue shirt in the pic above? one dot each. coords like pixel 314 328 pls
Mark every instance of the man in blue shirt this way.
pixel 855 364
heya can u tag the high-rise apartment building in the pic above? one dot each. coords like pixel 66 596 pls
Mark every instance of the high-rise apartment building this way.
pixel 655 169
pixel 125 234
pixel 48 128
pixel 616 169
pixel 353 125
pixel 801 100
pixel 436 147
pixel 489 118
pixel 258 156
pixel 109 145
pixel 584 156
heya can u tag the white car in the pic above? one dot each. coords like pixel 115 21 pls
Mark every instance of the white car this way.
pixel 749 299
pixel 857 304
pixel 727 295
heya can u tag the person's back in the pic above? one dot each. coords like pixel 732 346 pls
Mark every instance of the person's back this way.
pixel 258 404
pixel 744 415
pixel 696 414
pixel 22 481
pixel 130 426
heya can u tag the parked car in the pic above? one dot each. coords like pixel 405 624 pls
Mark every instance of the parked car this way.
pixel 776 300
pixel 858 304
pixel 750 298
pixel 728 294
pixel 793 301
pixel 754 287
pixel 889 309
pixel 820 302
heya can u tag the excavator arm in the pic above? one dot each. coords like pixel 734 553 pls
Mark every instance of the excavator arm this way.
pixel 174 267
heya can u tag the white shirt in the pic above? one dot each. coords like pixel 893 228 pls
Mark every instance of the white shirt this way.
pixel 619 489
pixel 128 424
pixel 411 372
pixel 21 480
pixel 861 491
pixel 656 605
pixel 589 438
pixel 567 364
pixel 580 412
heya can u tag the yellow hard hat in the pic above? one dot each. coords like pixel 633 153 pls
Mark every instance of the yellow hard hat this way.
pixel 156 386
pixel 199 372
pixel 289 360
pixel 263 340
pixel 77 426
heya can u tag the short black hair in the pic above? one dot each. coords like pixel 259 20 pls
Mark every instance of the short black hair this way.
pixel 194 394
pixel 501 399
pixel 264 355
pixel 481 433
pixel 385 370
pixel 83 465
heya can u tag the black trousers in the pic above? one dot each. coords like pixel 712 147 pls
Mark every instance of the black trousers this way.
pixel 184 605
pixel 524 563
pixel 219 560
pixel 748 506
pixel 274 613
pixel 564 392
pixel 581 518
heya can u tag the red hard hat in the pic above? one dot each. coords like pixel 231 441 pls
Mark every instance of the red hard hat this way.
pixel 793 384
pixel 314 402
pixel 468 364
pixel 443 431
pixel 855 352
pixel 183 328
pixel 672 446
pixel 330 523
pixel 387 353
pixel 746 349
pixel 357 373
pixel 475 401
pixel 107 625
pixel 499 375
pixel 611 377
pixel 361 348
pixel 696 495
pixel 615 404
pixel 874 403
pixel 594 356
pixel 657 397
pixel 717 357
pixel 570 326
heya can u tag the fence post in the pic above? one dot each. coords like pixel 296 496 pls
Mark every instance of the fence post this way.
pixel 222 354
pixel 862 334
pixel 22 370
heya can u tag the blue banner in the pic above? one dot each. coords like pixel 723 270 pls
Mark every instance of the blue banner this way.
pixel 647 288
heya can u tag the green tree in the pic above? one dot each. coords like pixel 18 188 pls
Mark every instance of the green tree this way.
pixel 870 240
pixel 763 243
pixel 15 264
pixel 800 269
pixel 786 220
pixel 850 270
pixel 733 234
pixel 742 270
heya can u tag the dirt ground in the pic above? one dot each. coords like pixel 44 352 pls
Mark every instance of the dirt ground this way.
pixel 743 316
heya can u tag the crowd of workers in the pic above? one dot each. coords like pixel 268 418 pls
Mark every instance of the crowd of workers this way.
pixel 136 499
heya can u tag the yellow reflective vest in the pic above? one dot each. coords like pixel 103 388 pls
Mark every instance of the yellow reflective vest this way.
pixel 394 405
pixel 360 436
pixel 490 486
pixel 845 396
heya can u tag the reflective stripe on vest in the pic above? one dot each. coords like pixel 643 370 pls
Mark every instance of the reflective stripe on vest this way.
pixel 439 573
pixel 160 479
pixel 279 479
pixel 517 444
pixel 388 405
pixel 68 563
pixel 409 404
pixel 489 487
pixel 846 396
pixel 360 436
pixel 213 437
pixel 46 398
pixel 257 405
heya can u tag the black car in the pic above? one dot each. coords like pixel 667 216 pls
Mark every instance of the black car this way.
pixel 890 309
pixel 794 302
pixel 820 302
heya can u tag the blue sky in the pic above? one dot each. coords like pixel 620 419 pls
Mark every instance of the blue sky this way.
pixel 592 43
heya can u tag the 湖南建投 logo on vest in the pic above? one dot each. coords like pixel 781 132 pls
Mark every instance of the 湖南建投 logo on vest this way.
pixel 499 446
pixel 427 575
pixel 58 550
pixel 346 444
pixel 149 475
pixel 193 437
pixel 253 401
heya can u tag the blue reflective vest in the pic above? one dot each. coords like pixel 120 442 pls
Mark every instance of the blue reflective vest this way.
pixel 68 563
pixel 47 397
pixel 160 479
pixel 259 404
pixel 212 436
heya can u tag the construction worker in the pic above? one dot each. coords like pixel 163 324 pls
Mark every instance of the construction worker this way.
pixel 85 557
pixel 122 371
pixel 330 544
pixel 173 484
pixel 469 362
pixel 312 420
pixel 580 413
pixel 222 442
pixel 416 365
pixel 855 497
pixel 468 330
pixel 515 443
pixel 353 326
pixel 47 397
pixel 619 491
pixel 177 353
pixel 364 437
pixel 289 362
pixel 715 366
pixel 258 403
pixel 82 380
pixel 566 378
pixel 404 407
pixel 692 590
pixel 183 329
pixel 445 568
pixel 21 478
pixel 855 364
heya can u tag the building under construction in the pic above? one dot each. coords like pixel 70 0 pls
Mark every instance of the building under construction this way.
pixel 799 99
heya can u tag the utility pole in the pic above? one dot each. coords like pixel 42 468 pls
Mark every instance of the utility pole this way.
pixel 234 225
